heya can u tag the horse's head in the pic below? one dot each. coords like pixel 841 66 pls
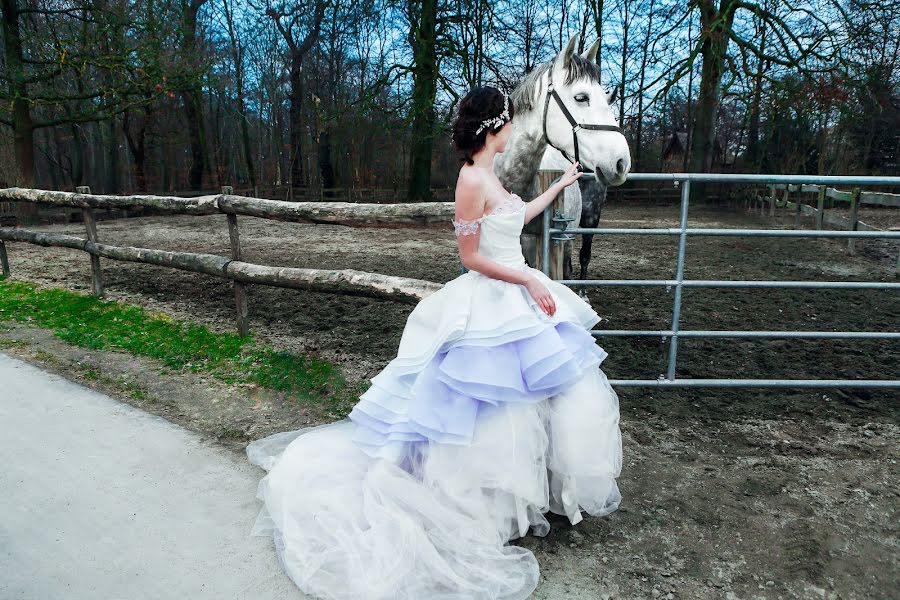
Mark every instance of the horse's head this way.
pixel 576 79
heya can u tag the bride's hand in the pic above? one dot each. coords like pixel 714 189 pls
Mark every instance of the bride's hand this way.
pixel 571 175
pixel 541 295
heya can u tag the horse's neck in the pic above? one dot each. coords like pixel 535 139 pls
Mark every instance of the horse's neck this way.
pixel 518 164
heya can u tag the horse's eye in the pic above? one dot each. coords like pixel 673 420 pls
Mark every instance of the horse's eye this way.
pixel 581 98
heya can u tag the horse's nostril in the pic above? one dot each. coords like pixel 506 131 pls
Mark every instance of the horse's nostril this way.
pixel 620 166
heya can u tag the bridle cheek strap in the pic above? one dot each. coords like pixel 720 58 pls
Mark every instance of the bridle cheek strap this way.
pixel 575 124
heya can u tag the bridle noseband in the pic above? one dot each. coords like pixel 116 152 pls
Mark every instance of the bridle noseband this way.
pixel 575 124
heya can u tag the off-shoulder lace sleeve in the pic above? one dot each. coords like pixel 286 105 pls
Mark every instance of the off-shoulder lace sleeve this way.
pixel 466 226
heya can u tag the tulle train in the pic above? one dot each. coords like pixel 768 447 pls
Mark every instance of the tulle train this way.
pixel 434 521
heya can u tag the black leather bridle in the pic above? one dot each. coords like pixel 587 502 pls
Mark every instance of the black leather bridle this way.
pixel 575 124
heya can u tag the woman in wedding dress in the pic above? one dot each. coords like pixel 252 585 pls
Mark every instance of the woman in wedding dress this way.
pixel 493 413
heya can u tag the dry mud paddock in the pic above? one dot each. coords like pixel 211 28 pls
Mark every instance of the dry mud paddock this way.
pixel 726 493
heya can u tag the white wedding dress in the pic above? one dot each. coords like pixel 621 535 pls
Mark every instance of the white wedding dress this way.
pixel 492 414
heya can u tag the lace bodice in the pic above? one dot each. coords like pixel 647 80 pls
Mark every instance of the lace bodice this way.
pixel 468 227
pixel 500 230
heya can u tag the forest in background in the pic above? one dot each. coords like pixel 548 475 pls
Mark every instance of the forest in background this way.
pixel 283 99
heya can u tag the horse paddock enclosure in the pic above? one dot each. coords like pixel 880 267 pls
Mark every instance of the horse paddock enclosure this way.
pixel 727 493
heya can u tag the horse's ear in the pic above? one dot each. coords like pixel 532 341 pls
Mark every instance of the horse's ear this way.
pixel 613 96
pixel 591 53
pixel 564 58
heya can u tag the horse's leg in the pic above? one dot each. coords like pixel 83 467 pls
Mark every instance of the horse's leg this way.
pixel 593 200
pixel 588 201
pixel 584 257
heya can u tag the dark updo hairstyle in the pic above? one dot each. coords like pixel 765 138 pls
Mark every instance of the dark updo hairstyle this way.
pixel 485 102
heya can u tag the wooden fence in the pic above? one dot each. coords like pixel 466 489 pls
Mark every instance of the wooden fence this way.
pixel 343 281
pixel 826 198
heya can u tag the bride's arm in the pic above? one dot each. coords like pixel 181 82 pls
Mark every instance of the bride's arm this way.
pixel 537 206
pixel 469 210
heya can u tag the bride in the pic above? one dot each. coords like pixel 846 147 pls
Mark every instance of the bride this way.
pixel 493 413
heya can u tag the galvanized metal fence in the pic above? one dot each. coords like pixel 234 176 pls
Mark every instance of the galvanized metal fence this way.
pixel 675 333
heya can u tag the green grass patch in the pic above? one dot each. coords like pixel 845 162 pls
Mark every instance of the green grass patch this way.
pixel 91 322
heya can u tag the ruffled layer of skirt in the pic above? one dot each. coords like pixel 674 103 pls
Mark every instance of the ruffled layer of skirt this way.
pixel 478 341
pixel 442 403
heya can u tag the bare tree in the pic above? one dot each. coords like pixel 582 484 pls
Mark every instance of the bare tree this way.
pixel 299 24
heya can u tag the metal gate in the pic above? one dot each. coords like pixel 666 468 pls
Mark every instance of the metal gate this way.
pixel 679 282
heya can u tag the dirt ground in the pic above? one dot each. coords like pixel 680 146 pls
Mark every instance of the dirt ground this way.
pixel 744 493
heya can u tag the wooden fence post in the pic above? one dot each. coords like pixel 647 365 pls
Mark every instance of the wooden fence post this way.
pixel 90 225
pixel 854 219
pixel 559 249
pixel 799 207
pixel 820 208
pixel 545 179
pixel 240 292
pixel 787 191
pixel 4 260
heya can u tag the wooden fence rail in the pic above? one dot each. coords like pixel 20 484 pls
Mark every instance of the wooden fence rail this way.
pixel 856 197
pixel 356 214
pixel 876 198
pixel 343 281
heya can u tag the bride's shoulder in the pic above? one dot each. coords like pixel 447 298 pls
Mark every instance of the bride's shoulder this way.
pixel 469 197
pixel 470 177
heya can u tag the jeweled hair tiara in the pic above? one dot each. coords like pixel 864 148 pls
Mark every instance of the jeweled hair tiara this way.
pixel 498 120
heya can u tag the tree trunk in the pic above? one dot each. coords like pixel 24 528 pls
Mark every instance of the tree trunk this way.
pixel 242 111
pixel 295 116
pixel 689 112
pixel 638 137
pixel 23 125
pixel 326 169
pixel 716 27
pixel 113 162
pixel 753 145
pixel 194 116
pixel 625 28
pixel 137 145
pixel 422 37
pixel 298 52
pixel 193 102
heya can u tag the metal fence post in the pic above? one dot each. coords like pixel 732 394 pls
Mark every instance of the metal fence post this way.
pixel 679 279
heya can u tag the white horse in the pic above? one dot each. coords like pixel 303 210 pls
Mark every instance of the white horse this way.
pixel 543 132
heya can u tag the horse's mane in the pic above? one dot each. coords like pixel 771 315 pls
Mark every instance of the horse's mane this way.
pixel 579 68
